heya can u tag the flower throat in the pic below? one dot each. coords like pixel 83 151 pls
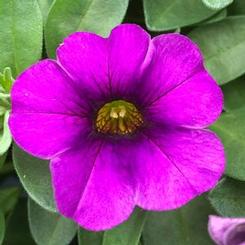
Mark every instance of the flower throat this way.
pixel 118 117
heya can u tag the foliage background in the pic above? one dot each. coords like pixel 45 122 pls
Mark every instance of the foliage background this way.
pixel 32 29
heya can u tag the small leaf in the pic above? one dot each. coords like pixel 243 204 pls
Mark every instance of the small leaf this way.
pixel 98 16
pixel 127 233
pixel 222 43
pixel 8 198
pixel 168 14
pixel 35 177
pixel 231 129
pixel 5 136
pixel 228 198
pixel 49 228
pixel 20 35
pixel 6 79
pixel 2 226
pixel 184 226
pixel 217 4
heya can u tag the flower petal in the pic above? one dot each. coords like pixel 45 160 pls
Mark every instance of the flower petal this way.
pixel 85 57
pixel 129 52
pixel 92 186
pixel 180 165
pixel 47 113
pixel 175 59
pixel 195 103
pixel 222 228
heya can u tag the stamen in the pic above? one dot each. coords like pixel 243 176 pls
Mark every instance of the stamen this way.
pixel 118 117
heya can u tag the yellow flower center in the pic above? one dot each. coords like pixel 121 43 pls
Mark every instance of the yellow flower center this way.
pixel 118 117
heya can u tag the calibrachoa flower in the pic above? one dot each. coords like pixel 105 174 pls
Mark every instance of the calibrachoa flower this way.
pixel 227 231
pixel 122 120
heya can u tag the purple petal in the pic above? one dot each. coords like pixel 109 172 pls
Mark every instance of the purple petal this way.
pixel 195 103
pixel 92 186
pixel 103 66
pixel 85 57
pixel 226 231
pixel 47 114
pixel 180 164
pixel 129 53
pixel 175 59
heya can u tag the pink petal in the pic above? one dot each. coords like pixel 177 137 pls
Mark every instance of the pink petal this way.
pixel 195 103
pixel 92 186
pixel 220 228
pixel 177 165
pixel 47 114
pixel 85 57
pixel 175 59
pixel 129 53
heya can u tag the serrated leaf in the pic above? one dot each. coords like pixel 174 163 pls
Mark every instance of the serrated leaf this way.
pixel 20 35
pixel 217 4
pixel 184 226
pixel 98 16
pixel 5 136
pixel 228 198
pixel 49 228
pixel 171 14
pixel 35 177
pixel 222 44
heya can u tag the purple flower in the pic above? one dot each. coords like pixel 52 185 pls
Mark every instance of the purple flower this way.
pixel 227 231
pixel 122 120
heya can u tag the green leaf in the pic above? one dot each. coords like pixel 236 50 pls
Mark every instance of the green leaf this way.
pixel 8 198
pixel 171 14
pixel 215 18
pixel 217 4
pixel 49 228
pixel 127 233
pixel 45 7
pixel 228 198
pixel 234 93
pixel 2 159
pixel 20 35
pixel 6 79
pixel 2 226
pixel 231 129
pixel 35 177
pixel 5 136
pixel 184 226
pixel 237 8
pixel 17 230
pixel 89 238
pixel 222 44
pixel 98 16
